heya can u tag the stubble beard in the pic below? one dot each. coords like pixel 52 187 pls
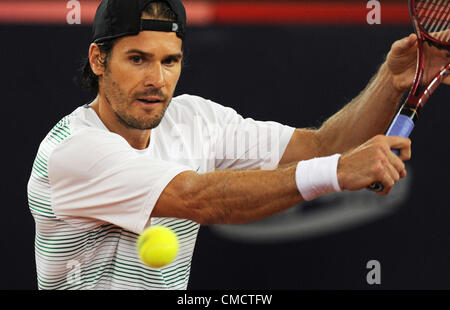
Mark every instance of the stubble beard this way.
pixel 114 92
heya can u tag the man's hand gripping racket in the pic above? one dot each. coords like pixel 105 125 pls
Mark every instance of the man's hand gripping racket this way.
pixel 431 21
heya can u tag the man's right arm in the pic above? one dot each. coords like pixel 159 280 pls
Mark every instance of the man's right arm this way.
pixel 235 197
pixel 229 196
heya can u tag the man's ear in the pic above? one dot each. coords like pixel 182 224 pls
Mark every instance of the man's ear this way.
pixel 96 60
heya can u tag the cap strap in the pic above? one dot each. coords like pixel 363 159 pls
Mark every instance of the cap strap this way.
pixel 159 25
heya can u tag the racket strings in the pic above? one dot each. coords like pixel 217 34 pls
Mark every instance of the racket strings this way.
pixel 434 17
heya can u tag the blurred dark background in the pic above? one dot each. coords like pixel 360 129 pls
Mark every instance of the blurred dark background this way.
pixel 294 73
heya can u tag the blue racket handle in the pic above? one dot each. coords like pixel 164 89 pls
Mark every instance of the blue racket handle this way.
pixel 401 126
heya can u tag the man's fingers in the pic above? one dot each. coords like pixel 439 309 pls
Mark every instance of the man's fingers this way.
pixel 374 161
pixel 389 168
pixel 401 144
pixel 405 154
pixel 395 164
pixel 396 142
pixel 387 181
pixel 409 41
pixel 406 43
pixel 403 174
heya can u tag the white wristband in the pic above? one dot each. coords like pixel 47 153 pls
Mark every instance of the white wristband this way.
pixel 317 176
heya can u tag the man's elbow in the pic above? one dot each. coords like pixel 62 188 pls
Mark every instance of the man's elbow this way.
pixel 199 210
pixel 182 198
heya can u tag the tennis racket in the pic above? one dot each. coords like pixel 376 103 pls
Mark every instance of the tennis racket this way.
pixel 431 21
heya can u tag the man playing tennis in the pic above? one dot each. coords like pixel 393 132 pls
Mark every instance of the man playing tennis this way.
pixel 127 160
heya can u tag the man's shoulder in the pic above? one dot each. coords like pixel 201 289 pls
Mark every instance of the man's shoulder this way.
pixel 190 105
pixel 190 101
pixel 81 126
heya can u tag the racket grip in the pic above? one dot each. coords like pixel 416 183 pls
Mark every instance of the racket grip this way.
pixel 401 126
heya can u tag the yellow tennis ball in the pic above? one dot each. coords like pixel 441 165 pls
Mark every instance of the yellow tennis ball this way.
pixel 157 246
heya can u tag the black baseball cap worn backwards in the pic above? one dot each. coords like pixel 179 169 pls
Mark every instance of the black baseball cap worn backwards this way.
pixel 119 18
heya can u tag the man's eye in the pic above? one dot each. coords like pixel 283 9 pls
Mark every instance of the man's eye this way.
pixel 170 61
pixel 136 59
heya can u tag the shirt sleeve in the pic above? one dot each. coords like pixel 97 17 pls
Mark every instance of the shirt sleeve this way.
pixel 95 176
pixel 245 143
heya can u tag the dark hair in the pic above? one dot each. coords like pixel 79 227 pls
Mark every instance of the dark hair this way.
pixel 87 79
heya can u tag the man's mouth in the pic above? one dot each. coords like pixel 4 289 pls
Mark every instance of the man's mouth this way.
pixel 150 100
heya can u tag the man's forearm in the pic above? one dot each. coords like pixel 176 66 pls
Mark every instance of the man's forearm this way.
pixel 365 116
pixel 229 197
pixel 235 197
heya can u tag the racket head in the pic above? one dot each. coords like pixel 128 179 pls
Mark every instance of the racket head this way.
pixel 431 21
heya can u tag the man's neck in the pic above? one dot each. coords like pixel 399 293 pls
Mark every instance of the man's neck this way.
pixel 138 139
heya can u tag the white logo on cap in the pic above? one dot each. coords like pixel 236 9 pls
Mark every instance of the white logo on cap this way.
pixel 174 27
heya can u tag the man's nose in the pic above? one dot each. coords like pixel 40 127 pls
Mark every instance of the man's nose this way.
pixel 155 76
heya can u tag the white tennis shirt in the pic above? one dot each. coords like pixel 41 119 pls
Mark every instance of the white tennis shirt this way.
pixel 91 194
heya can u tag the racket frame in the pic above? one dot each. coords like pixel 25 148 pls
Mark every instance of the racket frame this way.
pixel 421 32
pixel 418 95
